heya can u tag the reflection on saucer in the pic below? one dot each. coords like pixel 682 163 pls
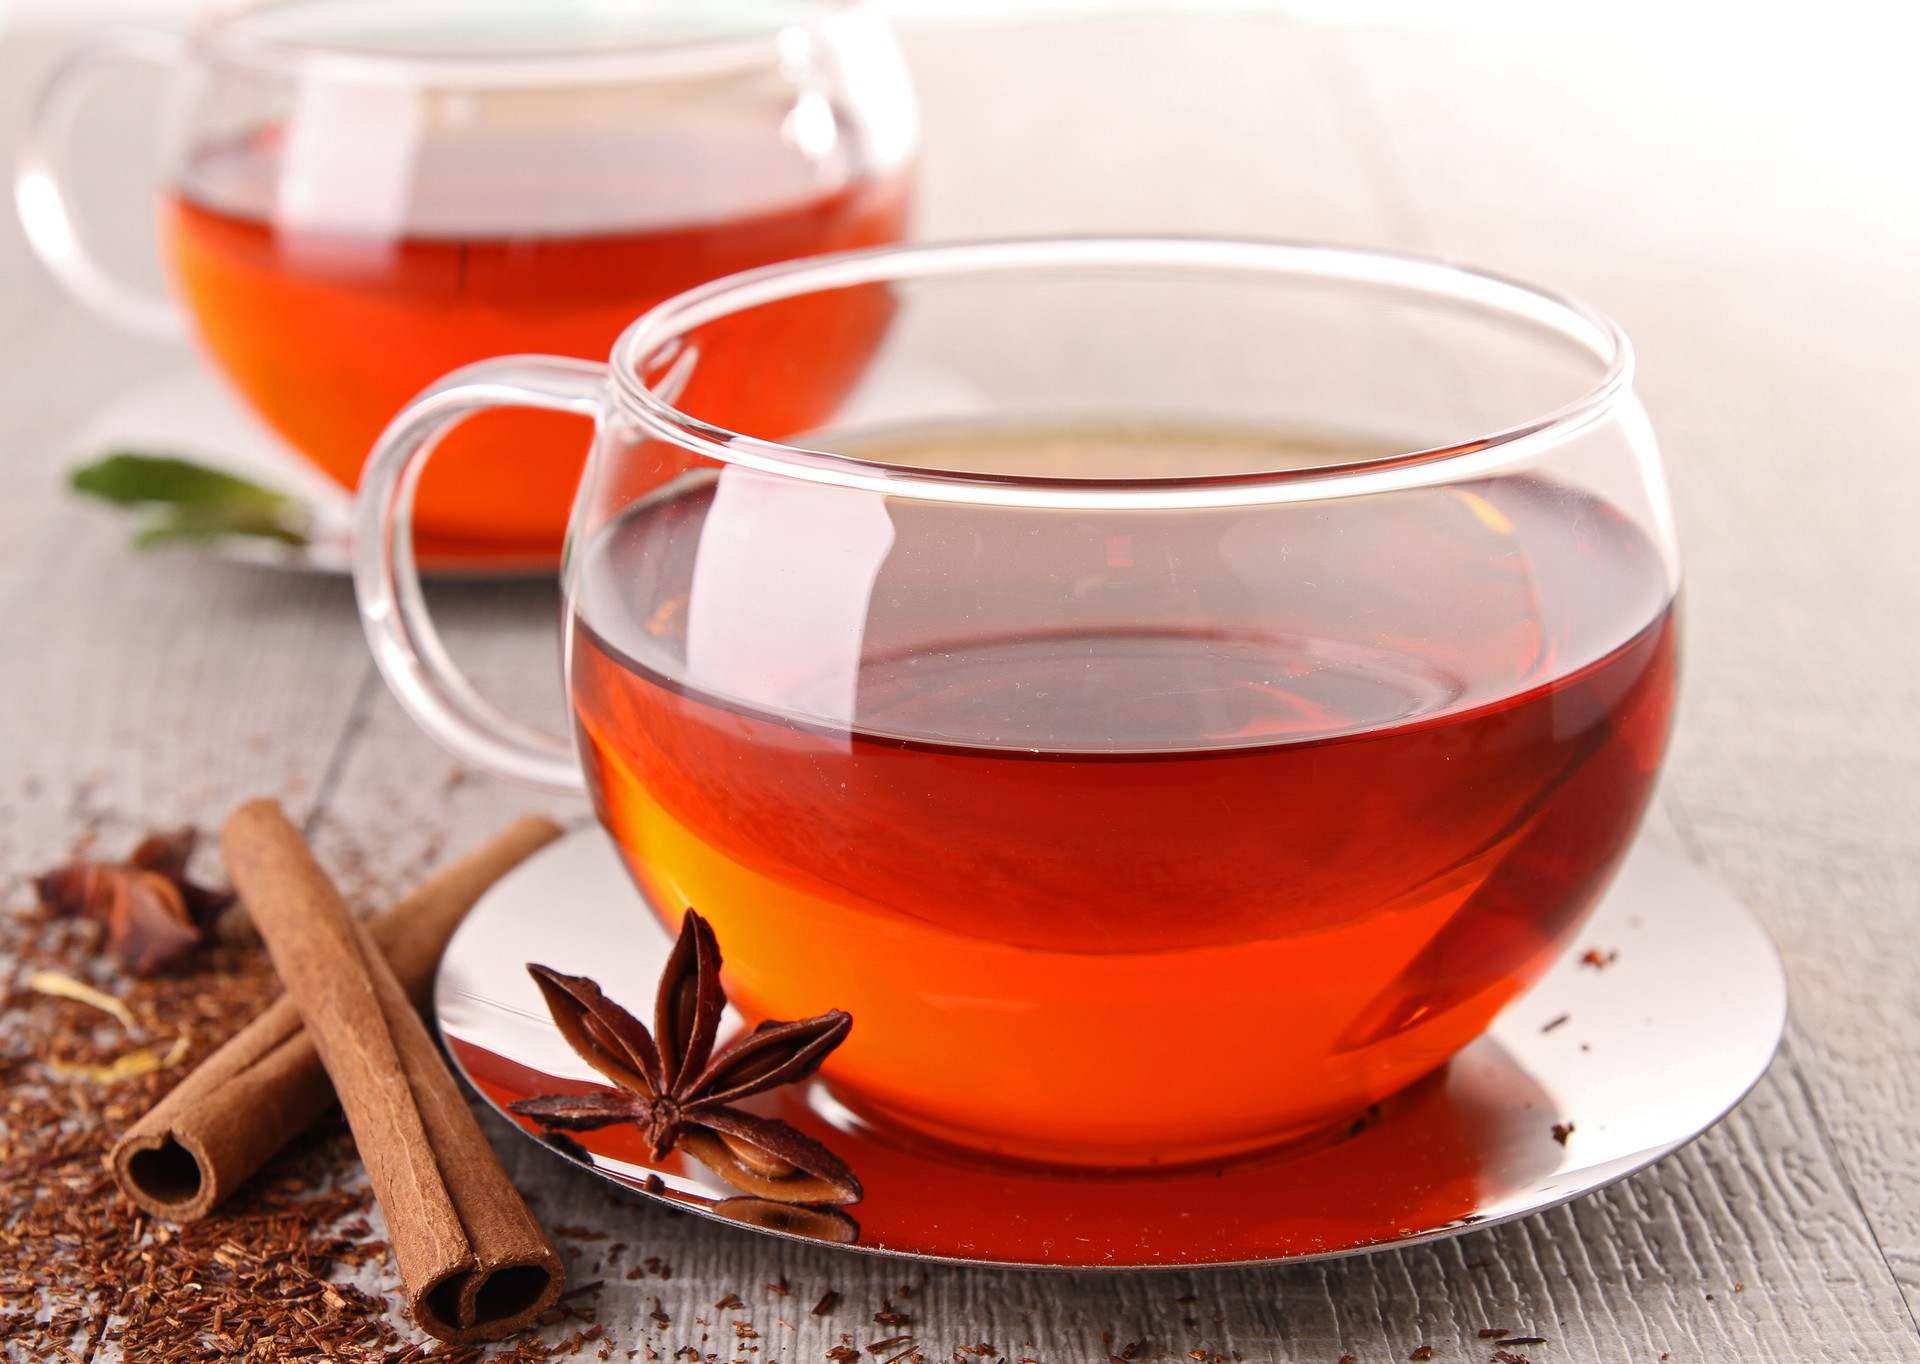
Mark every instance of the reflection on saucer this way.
pixel 789 1219
pixel 1473 1134
pixel 1585 1078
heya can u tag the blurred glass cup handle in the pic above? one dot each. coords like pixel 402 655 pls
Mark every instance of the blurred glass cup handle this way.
pixel 37 190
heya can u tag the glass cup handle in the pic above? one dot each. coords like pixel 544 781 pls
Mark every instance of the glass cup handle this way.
pixel 406 647
pixel 43 206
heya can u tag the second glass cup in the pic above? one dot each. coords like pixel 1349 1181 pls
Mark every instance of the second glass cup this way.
pixel 363 194
pixel 1185 693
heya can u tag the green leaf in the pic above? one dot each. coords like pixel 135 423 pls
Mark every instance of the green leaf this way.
pixel 191 501
pixel 210 523
pixel 133 479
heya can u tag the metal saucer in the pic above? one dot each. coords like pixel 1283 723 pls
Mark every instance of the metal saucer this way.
pixel 1598 1071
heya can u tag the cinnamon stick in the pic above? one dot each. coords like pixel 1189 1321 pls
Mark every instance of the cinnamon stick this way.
pixel 475 1263
pixel 245 1102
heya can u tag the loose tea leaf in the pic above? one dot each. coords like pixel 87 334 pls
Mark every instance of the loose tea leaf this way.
pixel 681 1094
pixel 76 1256
pixel 190 501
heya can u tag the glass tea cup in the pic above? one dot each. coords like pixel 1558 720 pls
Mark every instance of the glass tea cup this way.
pixel 1184 694
pixel 363 194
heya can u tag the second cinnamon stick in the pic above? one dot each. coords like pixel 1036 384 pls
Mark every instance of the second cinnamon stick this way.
pixel 475 1263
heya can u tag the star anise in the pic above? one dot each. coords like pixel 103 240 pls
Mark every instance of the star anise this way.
pixel 167 855
pixel 152 911
pixel 681 1094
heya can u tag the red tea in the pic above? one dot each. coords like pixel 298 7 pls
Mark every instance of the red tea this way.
pixel 329 329
pixel 1130 836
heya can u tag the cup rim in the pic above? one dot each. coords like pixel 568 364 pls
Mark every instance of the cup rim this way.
pixel 236 36
pixel 1405 273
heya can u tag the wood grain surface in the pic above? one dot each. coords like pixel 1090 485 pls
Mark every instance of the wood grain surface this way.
pixel 1774 317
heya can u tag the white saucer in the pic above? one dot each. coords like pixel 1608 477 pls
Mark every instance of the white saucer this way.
pixel 1636 1058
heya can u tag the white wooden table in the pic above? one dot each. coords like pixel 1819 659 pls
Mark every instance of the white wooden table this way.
pixel 1760 243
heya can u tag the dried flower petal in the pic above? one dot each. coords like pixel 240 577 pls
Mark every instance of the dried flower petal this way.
pixel 128 1065
pixel 60 985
